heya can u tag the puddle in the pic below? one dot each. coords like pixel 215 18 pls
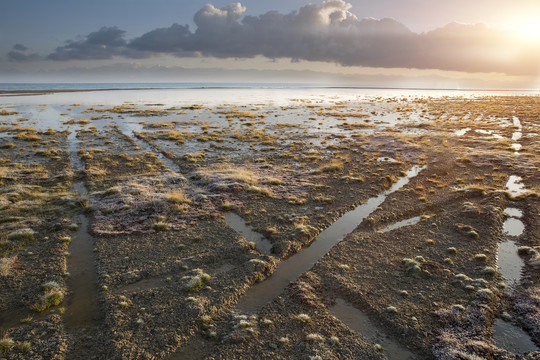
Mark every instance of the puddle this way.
pixel 461 132
pixel 513 227
pixel 290 269
pixel 11 318
pixel 513 212
pixel 360 322
pixel 516 122
pixel 399 224
pixel 387 160
pixel 514 186
pixel 489 132
pixel 512 338
pixel 509 263
pixel 239 225
pixel 516 135
pixel 82 309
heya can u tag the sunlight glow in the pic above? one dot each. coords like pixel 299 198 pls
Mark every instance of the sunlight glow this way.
pixel 530 31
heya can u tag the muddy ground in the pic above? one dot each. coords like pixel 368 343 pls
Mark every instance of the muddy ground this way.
pixel 167 271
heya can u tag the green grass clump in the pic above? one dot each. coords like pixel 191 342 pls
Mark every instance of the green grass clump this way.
pixel 24 346
pixel 22 234
pixel 160 225
pixel 480 257
pixel 6 343
pixel 196 281
pixel 53 296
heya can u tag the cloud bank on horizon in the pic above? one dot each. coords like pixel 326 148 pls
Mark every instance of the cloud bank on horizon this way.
pixel 327 32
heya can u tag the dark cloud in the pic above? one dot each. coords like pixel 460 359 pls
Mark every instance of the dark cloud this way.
pixel 166 40
pixel 21 53
pixel 318 32
pixel 105 43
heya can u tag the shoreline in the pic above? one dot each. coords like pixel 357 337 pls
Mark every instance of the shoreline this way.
pixel 254 86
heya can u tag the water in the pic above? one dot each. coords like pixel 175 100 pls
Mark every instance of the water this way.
pixel 461 132
pixel 290 269
pixel 82 305
pixel 517 134
pixel 514 186
pixel 239 225
pixel 127 127
pixel 77 164
pixel 513 212
pixel 360 322
pixel 513 227
pixel 509 263
pixel 399 224
pixel 512 338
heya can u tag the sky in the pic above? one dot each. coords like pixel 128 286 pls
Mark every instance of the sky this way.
pixel 403 43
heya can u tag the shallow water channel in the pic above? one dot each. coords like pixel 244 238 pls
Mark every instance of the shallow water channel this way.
pixel 82 308
pixel 129 126
pixel 290 269
pixel 360 323
pixel 239 225
pixel 510 265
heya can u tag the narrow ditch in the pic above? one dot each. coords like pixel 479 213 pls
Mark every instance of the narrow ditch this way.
pixel 128 127
pixel 83 315
pixel 82 308
pixel 359 322
pixel 239 225
pixel 516 135
pixel 290 269
pixel 512 338
pixel 510 265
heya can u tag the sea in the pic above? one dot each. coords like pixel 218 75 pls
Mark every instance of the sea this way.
pixel 213 94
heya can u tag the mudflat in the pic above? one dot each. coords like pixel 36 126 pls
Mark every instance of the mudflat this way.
pixel 333 226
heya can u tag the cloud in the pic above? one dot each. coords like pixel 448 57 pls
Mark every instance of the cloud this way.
pixel 105 43
pixel 328 32
pixel 164 40
pixel 21 53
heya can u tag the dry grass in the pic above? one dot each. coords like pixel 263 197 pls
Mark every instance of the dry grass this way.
pixel 228 173
pixel 178 196
pixel 28 136
pixel 333 166
pixel 7 264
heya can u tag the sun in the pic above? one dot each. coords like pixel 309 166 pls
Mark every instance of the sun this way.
pixel 530 31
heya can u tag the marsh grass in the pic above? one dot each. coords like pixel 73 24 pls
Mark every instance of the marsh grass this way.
pixel 6 343
pixel 7 264
pixel 178 196
pixel 53 296
pixel 334 165
pixel 196 281
pixel 228 173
